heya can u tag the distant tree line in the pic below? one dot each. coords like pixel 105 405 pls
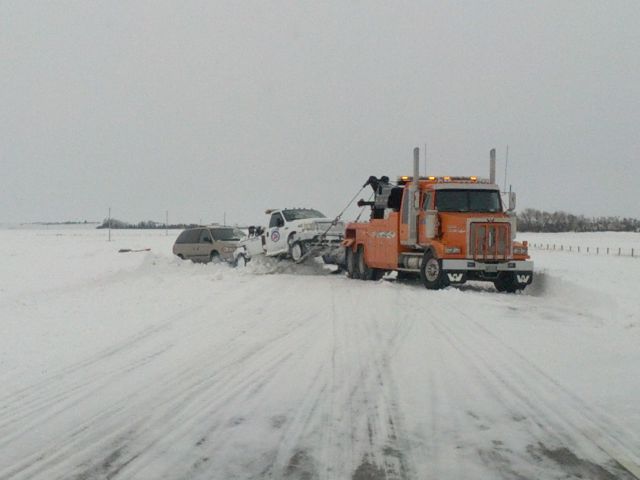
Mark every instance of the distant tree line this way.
pixel 531 220
pixel 70 222
pixel 144 225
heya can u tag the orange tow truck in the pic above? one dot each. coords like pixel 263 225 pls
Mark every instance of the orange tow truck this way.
pixel 446 230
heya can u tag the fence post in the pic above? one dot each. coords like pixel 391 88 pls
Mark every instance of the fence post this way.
pixel 597 250
pixel 632 252
pixel 607 250
pixel 587 249
pixel 619 251
pixel 578 248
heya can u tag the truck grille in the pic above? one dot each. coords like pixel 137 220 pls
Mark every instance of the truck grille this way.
pixel 490 241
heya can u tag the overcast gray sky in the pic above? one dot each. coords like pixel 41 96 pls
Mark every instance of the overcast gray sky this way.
pixel 207 107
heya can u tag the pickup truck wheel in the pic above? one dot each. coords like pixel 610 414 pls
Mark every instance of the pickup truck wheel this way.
pixel 214 257
pixel 241 261
pixel 365 272
pixel 431 272
pixel 350 260
pixel 297 251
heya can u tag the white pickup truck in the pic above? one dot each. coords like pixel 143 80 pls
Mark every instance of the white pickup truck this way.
pixel 297 233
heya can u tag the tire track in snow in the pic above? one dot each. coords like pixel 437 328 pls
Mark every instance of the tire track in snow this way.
pixel 209 396
pixel 241 382
pixel 348 421
pixel 368 390
pixel 119 411
pixel 348 410
pixel 530 395
pixel 26 405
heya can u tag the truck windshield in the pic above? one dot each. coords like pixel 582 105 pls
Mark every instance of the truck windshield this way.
pixel 468 201
pixel 301 214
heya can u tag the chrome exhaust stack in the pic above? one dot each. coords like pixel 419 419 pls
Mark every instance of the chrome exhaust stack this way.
pixel 492 166
pixel 413 194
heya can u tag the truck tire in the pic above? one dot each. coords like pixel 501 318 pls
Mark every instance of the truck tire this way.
pixel 378 273
pixel 297 250
pixel 241 261
pixel 506 282
pixel 365 272
pixel 431 272
pixel 350 260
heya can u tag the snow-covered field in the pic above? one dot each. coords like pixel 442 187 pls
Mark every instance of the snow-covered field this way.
pixel 141 366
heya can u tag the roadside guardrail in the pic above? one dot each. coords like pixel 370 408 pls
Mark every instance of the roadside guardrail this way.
pixel 587 250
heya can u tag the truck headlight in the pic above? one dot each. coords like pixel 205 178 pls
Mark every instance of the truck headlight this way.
pixel 451 249
pixel 305 227
pixel 520 250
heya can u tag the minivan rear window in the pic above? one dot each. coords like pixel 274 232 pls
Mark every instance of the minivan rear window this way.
pixel 189 236
pixel 227 234
pixel 182 238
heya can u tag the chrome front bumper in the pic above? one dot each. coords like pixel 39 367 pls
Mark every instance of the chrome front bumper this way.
pixel 472 265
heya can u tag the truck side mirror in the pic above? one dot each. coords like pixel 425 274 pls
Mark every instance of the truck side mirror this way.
pixel 431 224
pixel 512 201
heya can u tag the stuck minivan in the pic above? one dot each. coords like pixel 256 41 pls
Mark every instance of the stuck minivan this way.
pixel 211 243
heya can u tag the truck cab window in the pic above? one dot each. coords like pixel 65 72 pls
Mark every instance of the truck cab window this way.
pixel 276 220
pixel 468 201
pixel 426 203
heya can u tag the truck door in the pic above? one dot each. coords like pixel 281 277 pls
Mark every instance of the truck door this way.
pixel 276 237
pixel 427 219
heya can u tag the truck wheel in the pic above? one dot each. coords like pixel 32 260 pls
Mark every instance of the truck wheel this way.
pixel 350 260
pixel 365 272
pixel 241 261
pixel 506 282
pixel 214 257
pixel 378 273
pixel 297 251
pixel 431 272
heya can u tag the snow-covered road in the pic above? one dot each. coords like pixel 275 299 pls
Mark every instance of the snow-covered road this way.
pixel 140 366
